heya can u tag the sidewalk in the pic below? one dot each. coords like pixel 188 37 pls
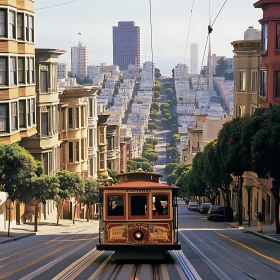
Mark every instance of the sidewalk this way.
pixel 45 227
pixel 268 230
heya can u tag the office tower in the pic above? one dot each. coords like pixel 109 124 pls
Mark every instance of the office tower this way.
pixel 79 60
pixel 194 59
pixel 126 44
pixel 252 34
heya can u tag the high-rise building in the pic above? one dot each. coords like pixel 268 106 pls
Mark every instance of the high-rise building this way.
pixel 252 34
pixel 194 59
pixel 79 60
pixel 126 44
pixel 62 71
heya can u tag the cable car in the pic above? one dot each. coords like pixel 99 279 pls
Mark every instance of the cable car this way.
pixel 138 214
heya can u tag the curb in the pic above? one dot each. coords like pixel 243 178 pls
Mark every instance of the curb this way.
pixel 232 226
pixel 271 239
pixel 17 238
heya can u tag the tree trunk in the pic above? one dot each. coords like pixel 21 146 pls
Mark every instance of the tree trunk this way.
pixel 88 212
pixel 240 201
pixel 227 197
pixel 36 217
pixel 74 214
pixel 59 210
pixel 275 191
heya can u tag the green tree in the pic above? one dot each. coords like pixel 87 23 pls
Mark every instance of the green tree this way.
pixel 172 152
pixel 176 137
pixel 152 126
pixel 90 196
pixel 167 116
pixel 191 186
pixel 167 84
pixel 17 168
pixel 164 106
pixel 171 179
pixel 154 115
pixel 157 87
pixel 113 174
pixel 221 67
pixel 169 91
pixel 151 156
pixel 165 111
pixel 39 190
pixel 169 168
pixel 203 71
pixel 69 187
pixel 155 106
pixel 151 140
pixel 148 147
pixel 156 94
pixel 157 73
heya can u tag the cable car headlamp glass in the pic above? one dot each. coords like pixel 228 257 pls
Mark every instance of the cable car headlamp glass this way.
pixel 138 235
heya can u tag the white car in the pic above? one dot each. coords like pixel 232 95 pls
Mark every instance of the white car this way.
pixel 193 206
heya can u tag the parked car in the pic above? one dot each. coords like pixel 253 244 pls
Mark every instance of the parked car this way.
pixel 204 208
pixel 193 206
pixel 216 213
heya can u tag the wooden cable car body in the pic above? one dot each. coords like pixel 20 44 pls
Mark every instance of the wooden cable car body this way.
pixel 138 214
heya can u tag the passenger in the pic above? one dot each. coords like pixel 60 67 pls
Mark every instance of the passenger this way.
pixel 158 206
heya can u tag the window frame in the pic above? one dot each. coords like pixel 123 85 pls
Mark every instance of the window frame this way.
pixel 22 71
pixel 169 203
pixel 45 114
pixel 22 115
pixel 31 28
pixel 14 116
pixel 277 84
pixel 77 151
pixel 254 80
pixel 106 206
pixel 70 118
pixel 13 71
pixel 103 160
pixel 71 152
pixel 20 28
pixel 6 105
pixel 77 117
pixel 12 25
pixel 4 23
pixel 263 86
pixel 5 59
pixel 264 36
pixel 137 217
pixel 102 134
pixel 277 36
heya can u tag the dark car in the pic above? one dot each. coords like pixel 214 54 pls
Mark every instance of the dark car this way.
pixel 216 213
pixel 204 208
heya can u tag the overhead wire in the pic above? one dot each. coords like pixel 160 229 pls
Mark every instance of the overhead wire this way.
pixel 57 5
pixel 151 30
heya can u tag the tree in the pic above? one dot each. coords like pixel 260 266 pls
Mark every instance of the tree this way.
pixel 140 162
pixel 157 73
pixel 169 168
pixel 203 71
pixel 167 84
pixel 165 111
pixel 113 174
pixel 164 106
pixel 176 137
pixel 154 116
pixel 69 186
pixel 78 189
pixel 156 94
pixel 171 179
pixel 152 126
pixel 152 141
pixel 191 186
pixel 266 152
pixel 148 147
pixel 157 87
pixel 168 91
pixel 167 116
pixel 155 106
pixel 90 196
pixel 17 168
pixel 221 67
pixel 151 156
pixel 172 152
pixel 39 190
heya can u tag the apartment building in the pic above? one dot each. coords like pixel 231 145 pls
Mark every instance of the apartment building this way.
pixel 62 71
pixel 79 60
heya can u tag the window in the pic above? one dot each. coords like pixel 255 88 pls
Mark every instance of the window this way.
pixel 20 26
pixel 160 205
pixel 32 78
pixel 26 28
pixel 12 25
pixel 21 71
pixel 138 205
pixel 46 163
pixel 45 124
pixel 28 113
pixel 102 135
pixel 102 161
pixel 277 84
pixel 77 118
pixel 82 116
pixel 253 109
pixel 70 152
pixel 27 70
pixel 91 167
pixel 241 81
pixel 14 115
pixel 13 76
pixel 43 80
pixel 33 115
pixel 254 81
pixel 263 88
pixel 3 117
pixel 90 132
pixel 3 31
pixel 77 151
pixel 278 36
pixel 83 149
pixel 3 71
pixel 22 116
pixel 115 205
pixel 264 36
pixel 31 28
pixel 90 107
pixel 70 117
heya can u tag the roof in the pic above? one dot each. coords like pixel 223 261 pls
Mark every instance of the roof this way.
pixel 137 185
pixel 139 172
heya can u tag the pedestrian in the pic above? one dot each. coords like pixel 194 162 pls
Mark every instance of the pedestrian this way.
pixel 260 221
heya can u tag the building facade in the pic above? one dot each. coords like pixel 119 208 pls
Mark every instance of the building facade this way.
pixel 126 44
pixel 79 60
pixel 252 34
pixel 194 59
pixel 62 71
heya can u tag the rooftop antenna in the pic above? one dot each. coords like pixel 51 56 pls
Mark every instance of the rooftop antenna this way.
pixel 80 38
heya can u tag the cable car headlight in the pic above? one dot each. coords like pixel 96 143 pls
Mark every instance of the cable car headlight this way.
pixel 138 235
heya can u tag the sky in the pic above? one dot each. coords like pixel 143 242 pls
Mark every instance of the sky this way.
pixel 58 27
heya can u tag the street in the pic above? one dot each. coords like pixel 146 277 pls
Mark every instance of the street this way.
pixel 210 250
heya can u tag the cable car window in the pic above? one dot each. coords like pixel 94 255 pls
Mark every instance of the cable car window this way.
pixel 138 205
pixel 115 205
pixel 160 205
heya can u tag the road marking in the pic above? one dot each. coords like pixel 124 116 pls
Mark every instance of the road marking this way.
pixel 35 261
pixel 248 248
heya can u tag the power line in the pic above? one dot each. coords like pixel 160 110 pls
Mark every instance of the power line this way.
pixel 219 12
pixel 57 5
pixel 152 49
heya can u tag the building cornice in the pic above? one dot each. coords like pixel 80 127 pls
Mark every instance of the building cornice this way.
pixel 246 46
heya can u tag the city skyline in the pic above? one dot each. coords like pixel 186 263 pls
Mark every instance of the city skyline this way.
pixel 170 24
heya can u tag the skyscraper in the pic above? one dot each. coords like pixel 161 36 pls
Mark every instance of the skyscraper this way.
pixel 194 59
pixel 79 60
pixel 126 44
